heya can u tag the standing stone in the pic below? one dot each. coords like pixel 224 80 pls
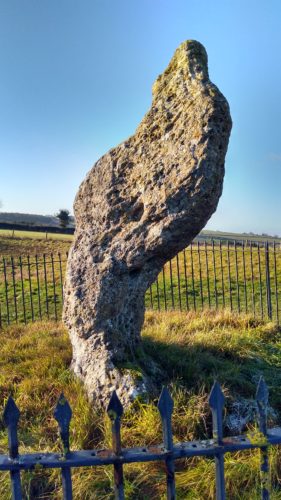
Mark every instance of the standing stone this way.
pixel 140 204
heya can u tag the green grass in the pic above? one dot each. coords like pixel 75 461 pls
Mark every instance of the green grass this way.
pixel 34 235
pixel 205 234
pixel 192 349
pixel 28 245
pixel 201 277
pixel 216 278
pixel 224 235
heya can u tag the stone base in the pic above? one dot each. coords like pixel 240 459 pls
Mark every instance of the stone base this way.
pixel 101 376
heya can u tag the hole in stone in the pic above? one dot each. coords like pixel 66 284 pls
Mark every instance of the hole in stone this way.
pixel 170 98
pixel 169 127
pixel 137 211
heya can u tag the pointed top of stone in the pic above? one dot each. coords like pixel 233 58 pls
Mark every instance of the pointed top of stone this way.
pixel 189 62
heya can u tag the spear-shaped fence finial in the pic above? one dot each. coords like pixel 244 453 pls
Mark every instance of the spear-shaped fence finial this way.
pixel 165 407
pixel 115 412
pixel 11 418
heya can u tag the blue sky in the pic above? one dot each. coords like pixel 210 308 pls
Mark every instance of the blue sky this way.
pixel 76 79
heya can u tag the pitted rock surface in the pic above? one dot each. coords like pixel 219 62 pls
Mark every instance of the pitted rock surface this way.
pixel 140 204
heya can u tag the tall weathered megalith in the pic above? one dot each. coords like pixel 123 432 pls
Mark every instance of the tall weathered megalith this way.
pixel 140 204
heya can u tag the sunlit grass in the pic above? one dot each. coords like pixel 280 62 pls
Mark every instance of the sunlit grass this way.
pixel 192 349
pixel 198 278
pixel 34 235
pixel 38 245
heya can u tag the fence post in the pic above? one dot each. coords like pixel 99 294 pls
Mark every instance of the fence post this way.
pixel 216 401
pixel 63 415
pixel 268 286
pixel 158 294
pixel 179 282
pixel 192 276
pixel 244 276
pixel 237 276
pixel 260 280
pixel 14 288
pixel 262 402
pixel 207 273
pixel 185 281
pixel 275 283
pixel 171 284
pixel 30 287
pixel 38 286
pixel 115 412
pixel 222 276
pixel 164 288
pixel 200 275
pixel 252 279
pixel 215 273
pixel 22 288
pixel 165 407
pixel 11 417
pixel 6 291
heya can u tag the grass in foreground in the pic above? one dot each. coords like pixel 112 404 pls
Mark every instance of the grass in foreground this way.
pixel 193 350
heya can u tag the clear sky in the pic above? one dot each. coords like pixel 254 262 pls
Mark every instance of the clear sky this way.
pixel 76 79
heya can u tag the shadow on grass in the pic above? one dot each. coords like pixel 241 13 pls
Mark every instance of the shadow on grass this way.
pixel 194 366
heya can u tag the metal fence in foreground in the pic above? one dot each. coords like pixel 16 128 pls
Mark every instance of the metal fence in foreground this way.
pixel 242 276
pixel 166 452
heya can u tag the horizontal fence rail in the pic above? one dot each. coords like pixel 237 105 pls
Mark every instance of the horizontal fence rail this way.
pixel 167 452
pixel 242 276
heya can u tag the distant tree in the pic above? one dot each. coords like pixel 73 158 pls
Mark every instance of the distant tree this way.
pixel 64 218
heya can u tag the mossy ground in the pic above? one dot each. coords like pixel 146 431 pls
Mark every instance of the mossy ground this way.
pixel 193 350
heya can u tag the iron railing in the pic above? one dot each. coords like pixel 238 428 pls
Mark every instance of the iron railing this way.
pixel 167 452
pixel 242 276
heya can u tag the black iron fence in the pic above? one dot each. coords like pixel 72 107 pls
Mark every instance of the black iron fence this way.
pixel 242 276
pixel 31 288
pixel 168 452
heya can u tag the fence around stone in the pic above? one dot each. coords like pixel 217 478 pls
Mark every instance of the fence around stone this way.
pixel 242 276
pixel 167 452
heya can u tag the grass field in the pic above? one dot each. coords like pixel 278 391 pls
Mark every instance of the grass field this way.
pixel 11 242
pixel 192 349
pixel 220 276
pixel 204 276
pixel 34 235
pixel 23 246
pixel 224 236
